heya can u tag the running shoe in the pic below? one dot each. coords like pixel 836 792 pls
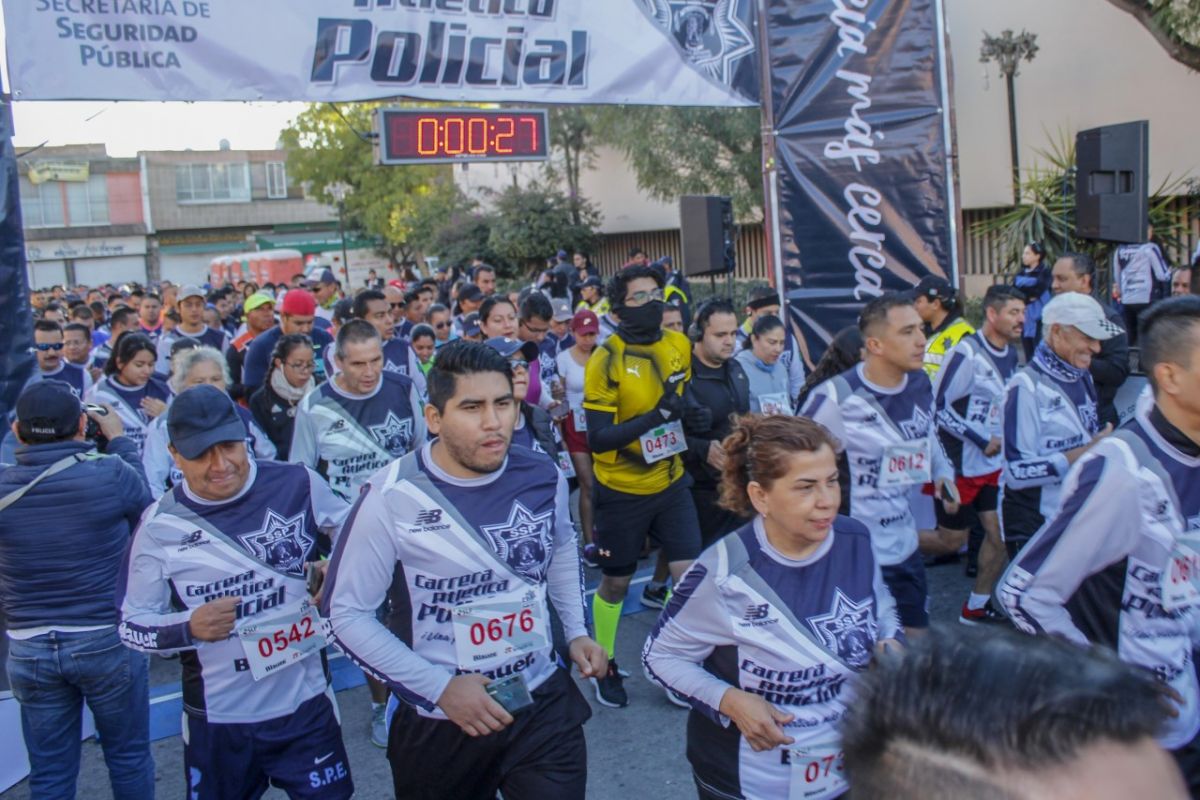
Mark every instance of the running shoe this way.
pixel 379 725
pixel 988 615
pixel 590 552
pixel 655 596
pixel 610 690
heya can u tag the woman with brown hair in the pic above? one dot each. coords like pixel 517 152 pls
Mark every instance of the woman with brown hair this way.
pixel 771 622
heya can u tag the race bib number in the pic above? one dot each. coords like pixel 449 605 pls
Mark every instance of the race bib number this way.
pixel 905 464
pixel 775 404
pixel 580 420
pixel 278 642
pixel 490 632
pixel 663 442
pixel 818 772
pixel 565 464
pixel 1181 581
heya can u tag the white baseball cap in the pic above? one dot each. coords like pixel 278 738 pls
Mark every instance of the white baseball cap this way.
pixel 1080 311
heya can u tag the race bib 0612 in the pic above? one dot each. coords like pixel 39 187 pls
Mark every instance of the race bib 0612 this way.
pixel 905 464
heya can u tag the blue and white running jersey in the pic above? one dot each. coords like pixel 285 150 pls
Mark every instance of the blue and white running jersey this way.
pixel 1095 572
pixel 209 337
pixel 73 375
pixel 436 544
pixel 1049 408
pixel 1136 268
pixel 161 472
pixel 792 632
pixel 870 424
pixel 128 403
pixel 188 551
pixel 969 397
pixel 348 437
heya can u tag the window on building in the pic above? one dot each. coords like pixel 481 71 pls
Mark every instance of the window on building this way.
pixel 58 204
pixel 276 180
pixel 212 183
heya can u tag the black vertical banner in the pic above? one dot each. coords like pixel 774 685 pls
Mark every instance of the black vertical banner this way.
pixel 865 202
pixel 16 327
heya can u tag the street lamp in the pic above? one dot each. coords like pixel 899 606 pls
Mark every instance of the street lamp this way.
pixel 339 192
pixel 1008 50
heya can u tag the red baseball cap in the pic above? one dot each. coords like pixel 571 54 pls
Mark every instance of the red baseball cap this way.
pixel 298 303
pixel 585 321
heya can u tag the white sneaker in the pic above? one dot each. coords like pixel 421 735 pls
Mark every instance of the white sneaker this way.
pixel 379 732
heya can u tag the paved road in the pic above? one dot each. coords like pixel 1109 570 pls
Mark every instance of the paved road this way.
pixel 635 752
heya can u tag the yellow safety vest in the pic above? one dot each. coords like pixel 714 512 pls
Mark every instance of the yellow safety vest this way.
pixel 941 341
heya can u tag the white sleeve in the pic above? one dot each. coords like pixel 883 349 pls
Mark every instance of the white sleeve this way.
pixel 564 578
pixel 952 383
pixel 1024 465
pixel 329 510
pixel 144 596
pixel 264 448
pixel 886 615
pixel 156 458
pixel 304 449
pixel 416 375
pixel 162 364
pixel 366 555
pixel 416 396
pixel 822 407
pixel 1098 495
pixel 692 625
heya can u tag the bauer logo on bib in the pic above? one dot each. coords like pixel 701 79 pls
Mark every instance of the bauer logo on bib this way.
pixel 663 442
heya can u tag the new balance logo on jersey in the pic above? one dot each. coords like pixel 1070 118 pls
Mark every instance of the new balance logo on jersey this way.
pixel 190 540
pixel 756 612
pixel 428 516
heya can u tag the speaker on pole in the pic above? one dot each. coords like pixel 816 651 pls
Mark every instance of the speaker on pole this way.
pixel 706 225
pixel 1112 182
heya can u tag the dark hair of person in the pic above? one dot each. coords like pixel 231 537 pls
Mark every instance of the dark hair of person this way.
pixel 843 352
pixel 761 292
pixel 286 345
pixel 998 295
pixel 47 326
pixel 757 451
pixel 461 357
pixel 634 252
pixel 150 296
pixel 412 295
pixel 434 308
pixel 173 315
pixel 536 306
pixel 53 307
pixel 359 309
pixel 709 309
pixel 765 324
pixel 356 331
pixel 98 309
pixel 81 311
pixel 959 711
pixel 126 348
pixel 78 327
pixel 1038 250
pixel 420 331
pixel 1082 264
pixel 482 268
pixel 122 316
pixel 1168 333
pixel 875 313
pixel 617 284
pixel 490 302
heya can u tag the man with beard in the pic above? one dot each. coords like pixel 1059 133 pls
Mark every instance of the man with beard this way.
pixel 469 538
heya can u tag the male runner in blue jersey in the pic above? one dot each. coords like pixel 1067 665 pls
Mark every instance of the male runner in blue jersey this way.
pixel 216 572
pixel 1110 567
pixel 882 416
pixel 470 538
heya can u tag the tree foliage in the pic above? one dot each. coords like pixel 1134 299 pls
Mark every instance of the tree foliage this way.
pixel 401 205
pixel 685 150
pixel 531 223
pixel 1174 24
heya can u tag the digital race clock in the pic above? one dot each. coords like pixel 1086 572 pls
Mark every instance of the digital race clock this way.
pixel 433 136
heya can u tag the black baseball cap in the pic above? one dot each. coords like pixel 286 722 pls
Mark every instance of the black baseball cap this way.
pixel 201 417
pixel 470 292
pixel 48 409
pixel 932 287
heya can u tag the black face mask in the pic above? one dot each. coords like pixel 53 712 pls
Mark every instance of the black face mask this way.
pixel 641 324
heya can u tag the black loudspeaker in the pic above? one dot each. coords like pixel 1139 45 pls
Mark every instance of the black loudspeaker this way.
pixel 706 224
pixel 1112 182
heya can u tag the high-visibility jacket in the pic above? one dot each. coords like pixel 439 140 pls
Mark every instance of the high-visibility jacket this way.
pixel 942 340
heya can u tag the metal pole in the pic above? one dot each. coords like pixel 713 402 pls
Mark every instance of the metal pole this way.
pixel 342 236
pixel 774 248
pixel 1012 137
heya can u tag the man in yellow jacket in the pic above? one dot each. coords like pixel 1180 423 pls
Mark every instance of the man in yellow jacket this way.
pixel 937 304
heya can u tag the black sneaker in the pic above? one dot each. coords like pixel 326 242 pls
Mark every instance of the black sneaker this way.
pixel 655 596
pixel 610 690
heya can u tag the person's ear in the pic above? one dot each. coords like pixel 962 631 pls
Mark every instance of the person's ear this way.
pixel 433 420
pixel 758 497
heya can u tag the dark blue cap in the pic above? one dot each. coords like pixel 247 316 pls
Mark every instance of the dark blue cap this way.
pixel 470 324
pixel 201 417
pixel 48 408
pixel 507 347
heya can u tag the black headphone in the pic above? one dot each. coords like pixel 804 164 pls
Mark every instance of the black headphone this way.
pixel 704 313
